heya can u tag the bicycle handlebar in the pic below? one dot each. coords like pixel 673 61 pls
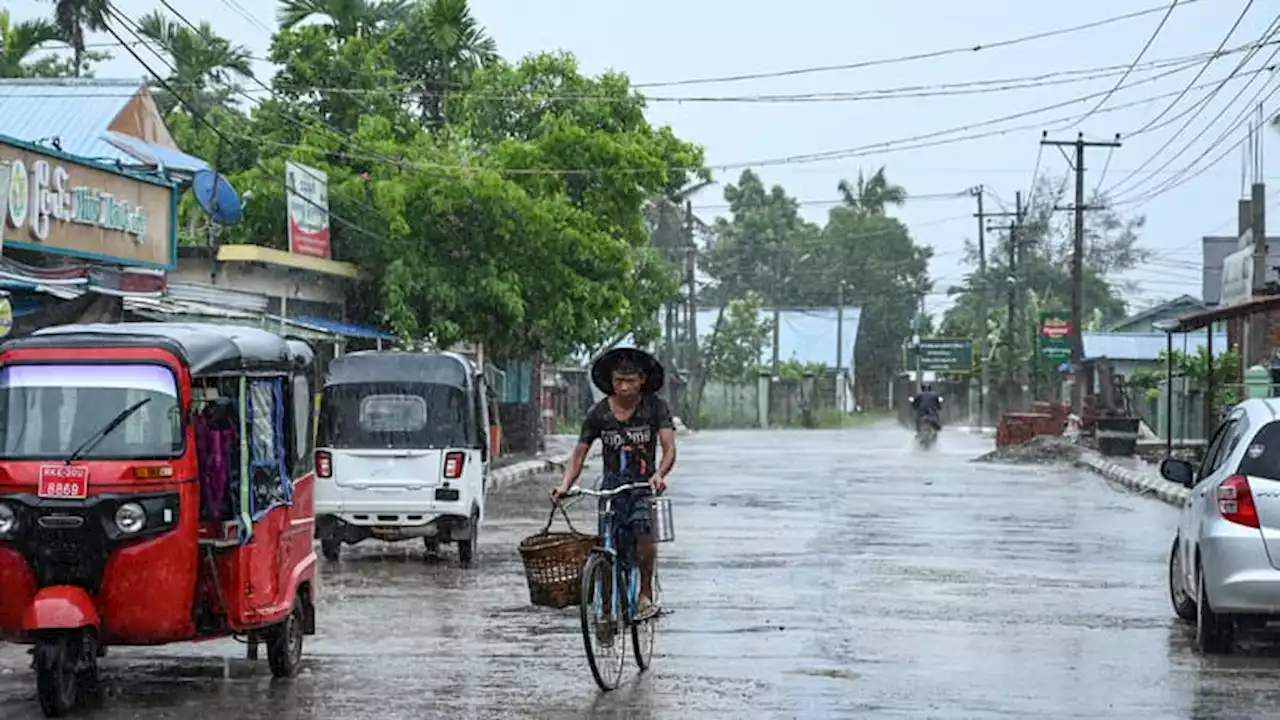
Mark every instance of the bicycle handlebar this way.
pixel 605 493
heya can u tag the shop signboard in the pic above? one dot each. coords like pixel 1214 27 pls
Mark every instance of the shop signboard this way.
pixel 1055 337
pixel 943 355
pixel 307 191
pixel 1237 277
pixel 69 206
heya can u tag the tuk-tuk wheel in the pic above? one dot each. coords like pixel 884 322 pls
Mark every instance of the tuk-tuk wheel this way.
pixel 331 549
pixel 284 644
pixel 58 673
pixel 467 546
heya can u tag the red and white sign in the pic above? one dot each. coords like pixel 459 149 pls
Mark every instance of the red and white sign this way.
pixel 307 198
pixel 67 482
pixel 1055 329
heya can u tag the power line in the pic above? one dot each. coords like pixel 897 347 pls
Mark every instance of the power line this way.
pixel 968 87
pixel 115 13
pixel 1271 31
pixel 1209 61
pixel 1170 183
pixel 1138 58
pixel 916 56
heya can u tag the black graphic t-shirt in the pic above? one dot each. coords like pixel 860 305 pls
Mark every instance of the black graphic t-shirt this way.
pixel 637 436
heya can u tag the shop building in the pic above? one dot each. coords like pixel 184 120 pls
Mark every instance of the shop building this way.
pixel 80 237
pixel 115 127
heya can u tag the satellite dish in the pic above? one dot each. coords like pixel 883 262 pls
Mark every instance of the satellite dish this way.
pixel 216 196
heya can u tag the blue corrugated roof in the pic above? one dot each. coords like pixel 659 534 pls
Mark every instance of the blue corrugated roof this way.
pixel 152 154
pixel 78 112
pixel 340 328
pixel 1147 346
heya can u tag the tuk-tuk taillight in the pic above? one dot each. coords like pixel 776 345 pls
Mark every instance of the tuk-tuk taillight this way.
pixel 453 465
pixel 324 464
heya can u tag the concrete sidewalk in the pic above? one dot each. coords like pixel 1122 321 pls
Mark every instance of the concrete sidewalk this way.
pixel 559 448
pixel 1134 474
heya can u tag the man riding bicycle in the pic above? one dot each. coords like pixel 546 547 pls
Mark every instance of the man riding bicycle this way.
pixel 927 406
pixel 631 422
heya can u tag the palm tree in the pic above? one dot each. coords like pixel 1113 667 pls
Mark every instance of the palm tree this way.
pixel 76 17
pixel 347 18
pixel 19 40
pixel 207 66
pixel 871 196
pixel 439 47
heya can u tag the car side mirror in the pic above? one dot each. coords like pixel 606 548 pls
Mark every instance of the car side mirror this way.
pixel 1178 471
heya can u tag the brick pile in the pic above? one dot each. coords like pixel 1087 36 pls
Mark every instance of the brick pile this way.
pixel 1018 428
pixel 1058 411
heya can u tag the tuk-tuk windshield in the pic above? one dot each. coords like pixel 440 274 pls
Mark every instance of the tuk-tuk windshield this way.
pixel 47 411
pixel 394 416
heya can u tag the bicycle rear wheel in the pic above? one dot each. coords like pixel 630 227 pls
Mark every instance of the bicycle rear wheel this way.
pixel 644 632
pixel 603 633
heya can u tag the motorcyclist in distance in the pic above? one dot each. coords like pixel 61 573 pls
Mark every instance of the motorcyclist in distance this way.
pixel 927 404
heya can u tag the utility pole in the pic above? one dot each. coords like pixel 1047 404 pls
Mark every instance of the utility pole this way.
pixel 981 330
pixel 1015 223
pixel 693 362
pixel 840 384
pixel 1077 260
pixel 777 306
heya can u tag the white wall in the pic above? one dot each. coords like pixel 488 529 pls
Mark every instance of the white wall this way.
pixel 264 279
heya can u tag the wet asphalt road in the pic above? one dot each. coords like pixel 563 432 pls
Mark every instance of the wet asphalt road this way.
pixel 815 574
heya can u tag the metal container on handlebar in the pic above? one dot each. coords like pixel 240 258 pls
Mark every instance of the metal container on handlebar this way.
pixel 661 525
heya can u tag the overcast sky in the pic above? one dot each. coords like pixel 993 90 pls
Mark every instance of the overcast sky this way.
pixel 664 40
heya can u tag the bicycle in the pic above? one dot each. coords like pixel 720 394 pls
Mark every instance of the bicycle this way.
pixel 613 564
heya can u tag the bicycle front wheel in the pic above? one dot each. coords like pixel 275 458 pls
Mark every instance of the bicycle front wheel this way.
pixel 604 635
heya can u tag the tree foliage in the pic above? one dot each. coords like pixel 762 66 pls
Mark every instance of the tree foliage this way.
pixel 861 256
pixel 739 336
pixel 487 200
pixel 1046 246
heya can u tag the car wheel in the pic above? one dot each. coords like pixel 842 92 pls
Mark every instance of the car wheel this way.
pixel 1213 631
pixel 331 549
pixel 1184 606
pixel 468 546
pixel 284 644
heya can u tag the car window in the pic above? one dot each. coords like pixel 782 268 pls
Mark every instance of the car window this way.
pixel 1238 432
pixel 1214 456
pixel 1263 456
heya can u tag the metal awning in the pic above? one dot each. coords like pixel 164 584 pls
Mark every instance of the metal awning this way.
pixel 336 327
pixel 1204 319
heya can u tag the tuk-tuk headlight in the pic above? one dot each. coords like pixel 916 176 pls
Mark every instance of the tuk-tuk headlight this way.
pixel 130 517
pixel 8 519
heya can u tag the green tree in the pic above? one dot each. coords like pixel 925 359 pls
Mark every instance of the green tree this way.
pixel 871 196
pixel 1045 246
pixel 75 18
pixel 755 248
pixel 734 346
pixel 345 18
pixel 436 50
pixel 20 40
pixel 207 67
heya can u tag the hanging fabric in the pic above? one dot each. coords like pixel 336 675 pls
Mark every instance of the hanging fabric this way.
pixel 246 480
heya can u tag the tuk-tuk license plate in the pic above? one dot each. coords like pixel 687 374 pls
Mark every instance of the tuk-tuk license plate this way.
pixel 63 481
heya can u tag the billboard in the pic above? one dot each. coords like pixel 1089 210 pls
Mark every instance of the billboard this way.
pixel 1237 278
pixel 307 198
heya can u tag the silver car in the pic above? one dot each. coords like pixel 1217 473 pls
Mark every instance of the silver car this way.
pixel 1224 567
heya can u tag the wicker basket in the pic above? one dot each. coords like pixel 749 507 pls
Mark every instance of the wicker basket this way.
pixel 553 563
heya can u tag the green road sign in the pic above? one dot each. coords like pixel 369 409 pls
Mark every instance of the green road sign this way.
pixel 944 355
pixel 1055 336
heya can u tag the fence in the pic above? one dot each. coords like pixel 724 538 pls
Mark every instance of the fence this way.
pixel 781 403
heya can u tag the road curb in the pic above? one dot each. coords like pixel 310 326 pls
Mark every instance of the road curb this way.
pixel 1143 482
pixel 505 477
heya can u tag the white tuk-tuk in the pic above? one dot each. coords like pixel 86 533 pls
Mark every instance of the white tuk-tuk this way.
pixel 402 451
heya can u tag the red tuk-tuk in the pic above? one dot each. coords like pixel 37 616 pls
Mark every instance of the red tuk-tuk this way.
pixel 156 485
